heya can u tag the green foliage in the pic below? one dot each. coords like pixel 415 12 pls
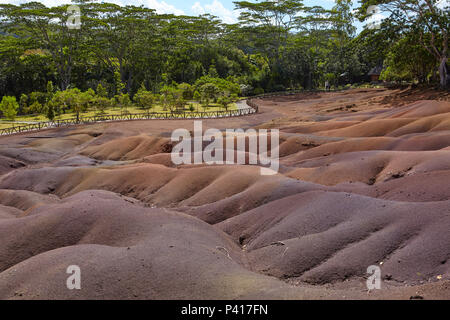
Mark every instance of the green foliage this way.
pixel 187 91
pixel 101 104
pixel 418 35
pixel 37 96
pixel 120 86
pixel 210 92
pixel 197 96
pixel 407 60
pixel 35 108
pixel 213 71
pixel 275 46
pixel 101 91
pixel 172 98
pixel 23 103
pixel 224 101
pixel 123 101
pixel 9 107
pixel 50 112
pixel 72 100
pixel 145 99
pixel 258 90
pixel 50 90
pixel 221 84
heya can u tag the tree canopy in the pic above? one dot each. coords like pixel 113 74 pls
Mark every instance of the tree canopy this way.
pixel 276 45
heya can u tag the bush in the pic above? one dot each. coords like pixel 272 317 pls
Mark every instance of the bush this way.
pixel 72 99
pixel 171 97
pixel 144 99
pixel 258 91
pixel 101 91
pixel 186 91
pixel 23 103
pixel 37 96
pixel 124 101
pixel 197 96
pixel 101 104
pixel 224 102
pixel 222 84
pixel 9 107
pixel 210 92
pixel 35 108
pixel 50 112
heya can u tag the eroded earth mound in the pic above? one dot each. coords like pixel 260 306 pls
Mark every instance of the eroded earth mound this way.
pixel 364 180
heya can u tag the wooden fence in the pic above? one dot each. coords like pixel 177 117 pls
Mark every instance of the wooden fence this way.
pixel 131 116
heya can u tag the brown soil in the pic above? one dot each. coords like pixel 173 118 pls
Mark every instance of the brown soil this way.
pixel 364 180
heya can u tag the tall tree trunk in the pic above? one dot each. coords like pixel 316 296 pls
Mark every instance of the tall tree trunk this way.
pixel 443 73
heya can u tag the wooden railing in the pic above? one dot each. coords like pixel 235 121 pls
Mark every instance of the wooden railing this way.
pixel 127 117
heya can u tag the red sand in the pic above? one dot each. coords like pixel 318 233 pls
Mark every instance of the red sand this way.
pixel 364 180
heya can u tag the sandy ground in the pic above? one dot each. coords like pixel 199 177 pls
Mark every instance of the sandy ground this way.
pixel 364 180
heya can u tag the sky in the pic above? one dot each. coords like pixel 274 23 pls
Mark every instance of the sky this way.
pixel 224 9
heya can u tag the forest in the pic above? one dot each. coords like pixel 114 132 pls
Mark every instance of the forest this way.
pixel 123 56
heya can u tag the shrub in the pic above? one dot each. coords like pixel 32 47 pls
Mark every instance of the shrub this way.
pixel 50 112
pixel 35 108
pixel 224 101
pixel 9 107
pixel 144 99
pixel 210 92
pixel 23 103
pixel 124 101
pixel 101 91
pixel 197 96
pixel 101 104
pixel 258 90
pixel 222 84
pixel 171 97
pixel 186 91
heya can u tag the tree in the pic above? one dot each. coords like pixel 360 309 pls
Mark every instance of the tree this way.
pixel 425 18
pixel 120 86
pixel 23 103
pixel 101 104
pixel 210 92
pixel 101 91
pixel 47 28
pixel 224 101
pixel 124 101
pixel 145 99
pixel 197 96
pixel 408 60
pixel 75 101
pixel 186 90
pixel 9 107
pixel 50 112
pixel 268 24
pixel 50 90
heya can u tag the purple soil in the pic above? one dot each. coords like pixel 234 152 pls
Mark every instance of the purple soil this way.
pixel 364 180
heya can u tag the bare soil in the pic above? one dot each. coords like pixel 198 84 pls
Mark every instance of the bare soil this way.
pixel 364 180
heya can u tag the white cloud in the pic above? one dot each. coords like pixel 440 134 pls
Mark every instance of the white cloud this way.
pixel 197 8
pixel 443 4
pixel 216 8
pixel 159 6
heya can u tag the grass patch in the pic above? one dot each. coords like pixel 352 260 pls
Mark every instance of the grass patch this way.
pixel 115 111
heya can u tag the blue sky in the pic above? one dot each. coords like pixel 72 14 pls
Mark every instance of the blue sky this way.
pixel 221 8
